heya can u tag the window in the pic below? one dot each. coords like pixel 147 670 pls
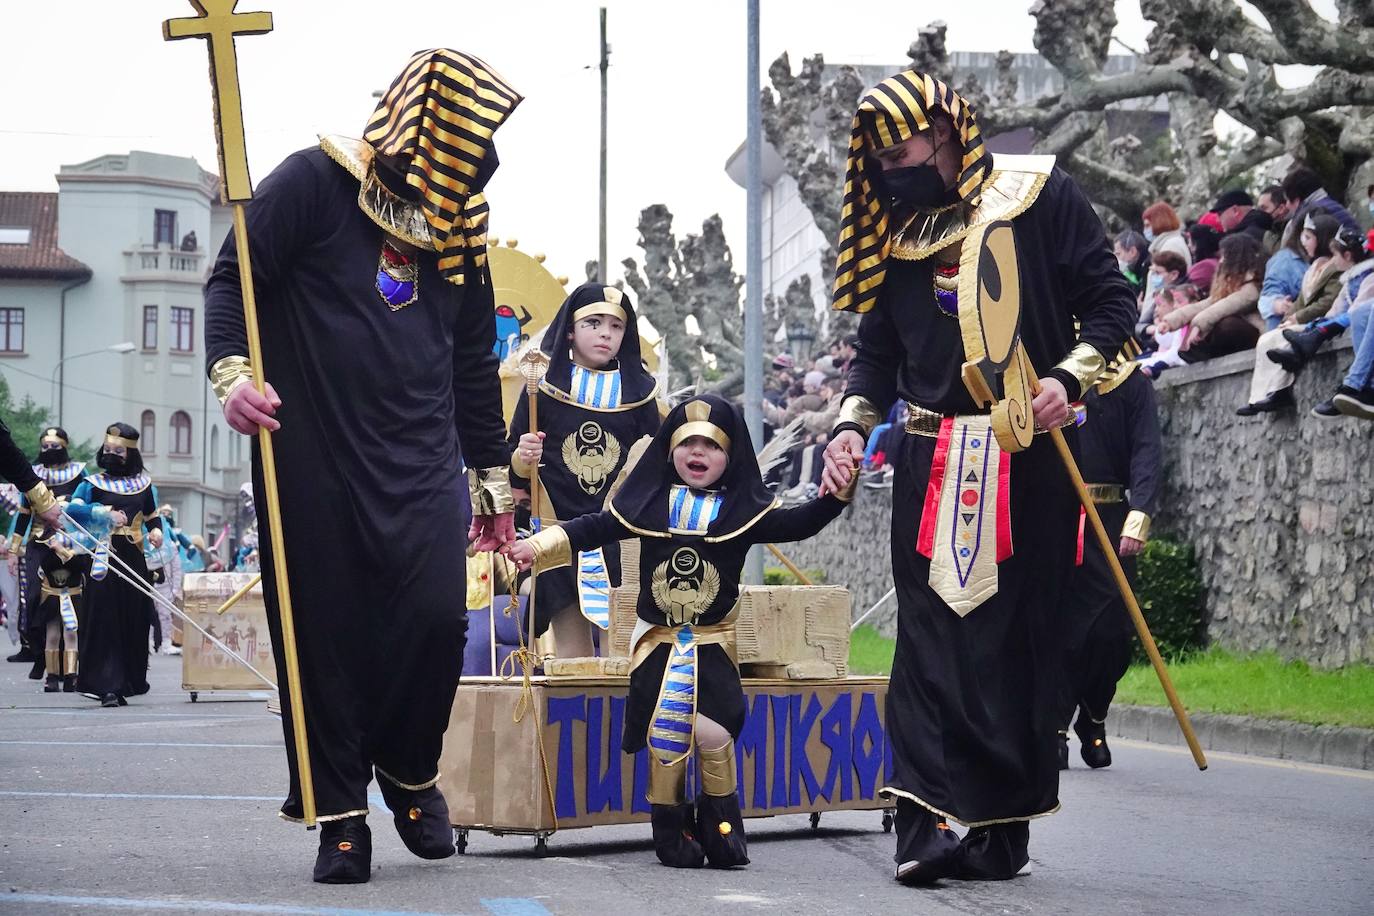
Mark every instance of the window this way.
pixel 15 235
pixel 214 447
pixel 183 330
pixel 181 433
pixel 147 433
pixel 235 456
pixel 150 327
pixel 12 330
pixel 164 227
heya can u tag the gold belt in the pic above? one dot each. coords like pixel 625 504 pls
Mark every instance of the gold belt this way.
pixel 52 591
pixel 1106 493
pixel 922 422
pixel 130 532
pixel 717 634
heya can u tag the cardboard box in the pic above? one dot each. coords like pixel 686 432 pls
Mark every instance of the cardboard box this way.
pixel 243 628
pixel 805 748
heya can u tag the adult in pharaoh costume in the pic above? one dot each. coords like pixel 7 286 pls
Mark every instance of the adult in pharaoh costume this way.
pixel 36 498
pixel 39 615
pixel 933 231
pixel 697 502
pixel 1122 451
pixel 375 302
pixel 114 629
pixel 595 401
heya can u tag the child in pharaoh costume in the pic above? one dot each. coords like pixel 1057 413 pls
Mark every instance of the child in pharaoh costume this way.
pixel 697 502
pixel 595 401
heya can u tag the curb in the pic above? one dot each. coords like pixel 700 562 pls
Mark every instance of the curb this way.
pixel 1330 745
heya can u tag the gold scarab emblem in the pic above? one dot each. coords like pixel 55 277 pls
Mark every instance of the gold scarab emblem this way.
pixel 684 586
pixel 592 455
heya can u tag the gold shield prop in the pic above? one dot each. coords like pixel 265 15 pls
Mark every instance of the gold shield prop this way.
pixel 990 323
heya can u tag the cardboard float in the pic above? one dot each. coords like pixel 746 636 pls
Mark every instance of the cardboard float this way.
pixel 243 628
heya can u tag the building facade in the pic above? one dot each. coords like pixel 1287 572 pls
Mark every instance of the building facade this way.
pixel 125 342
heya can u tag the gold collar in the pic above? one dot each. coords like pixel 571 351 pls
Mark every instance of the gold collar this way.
pixel 1012 186
pixel 393 214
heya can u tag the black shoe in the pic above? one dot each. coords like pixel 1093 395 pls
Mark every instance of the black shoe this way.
pixel 110 701
pixel 69 683
pixel 1285 357
pixel 994 853
pixel 1354 403
pixel 1063 751
pixel 720 826
pixel 927 849
pixel 1092 737
pixel 675 839
pixel 25 654
pixel 52 684
pixel 36 672
pixel 1305 342
pixel 345 855
pixel 421 818
pixel 1326 410
pixel 1276 400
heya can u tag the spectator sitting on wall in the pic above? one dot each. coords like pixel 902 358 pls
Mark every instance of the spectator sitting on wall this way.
pixel 1303 188
pixel 1164 232
pixel 1283 276
pixel 1237 213
pixel 1227 320
pixel 1167 269
pixel 1323 294
pixel 1133 257
pixel 1169 344
pixel 1354 396
pixel 1205 243
pixel 1273 201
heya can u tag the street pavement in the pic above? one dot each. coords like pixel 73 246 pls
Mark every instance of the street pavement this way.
pixel 168 806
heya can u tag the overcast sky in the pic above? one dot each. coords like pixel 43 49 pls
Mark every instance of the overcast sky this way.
pixel 84 78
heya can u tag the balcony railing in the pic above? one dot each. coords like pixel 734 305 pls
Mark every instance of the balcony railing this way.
pixel 163 262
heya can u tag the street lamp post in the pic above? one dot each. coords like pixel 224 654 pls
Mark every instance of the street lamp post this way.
pixel 55 392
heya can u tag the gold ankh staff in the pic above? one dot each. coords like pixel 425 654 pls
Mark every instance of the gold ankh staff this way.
pixel 218 24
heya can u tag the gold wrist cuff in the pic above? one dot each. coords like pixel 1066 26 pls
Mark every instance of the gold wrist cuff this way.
pixel 1085 364
pixel 860 411
pixel 667 784
pixel 228 374
pixel 40 498
pixel 490 491
pixel 551 549
pixel 520 466
pixel 1137 526
pixel 718 776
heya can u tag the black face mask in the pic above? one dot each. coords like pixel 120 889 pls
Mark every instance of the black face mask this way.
pixel 53 457
pixel 111 462
pixel 918 186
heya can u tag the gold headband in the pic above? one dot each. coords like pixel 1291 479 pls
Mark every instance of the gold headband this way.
pixel 699 428
pixel 120 441
pixel 600 308
pixel 55 439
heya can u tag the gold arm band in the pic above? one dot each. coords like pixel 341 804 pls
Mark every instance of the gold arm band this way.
pixel 490 491
pixel 1137 526
pixel 1106 493
pixel 16 542
pixel 228 374
pixel 1085 364
pixel 600 308
pixel 667 784
pixel 718 775
pixel 699 428
pixel 520 466
pixel 860 411
pixel 551 549
pixel 40 498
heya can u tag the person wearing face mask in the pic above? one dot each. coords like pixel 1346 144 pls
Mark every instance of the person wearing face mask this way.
pixel 1161 226
pixel 596 400
pixel 1133 259
pixel 378 325
pixel 1166 269
pixel 974 703
pixel 36 498
pixel 114 630
pixel 62 475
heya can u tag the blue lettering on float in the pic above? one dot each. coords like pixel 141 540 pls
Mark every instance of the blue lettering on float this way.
pixel 604 789
pixel 868 730
pixel 780 707
pixel 753 743
pixel 835 728
pixel 563 712
pixel 799 729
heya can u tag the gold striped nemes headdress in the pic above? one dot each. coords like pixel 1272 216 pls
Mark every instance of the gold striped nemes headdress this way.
pixel 439 117
pixel 892 112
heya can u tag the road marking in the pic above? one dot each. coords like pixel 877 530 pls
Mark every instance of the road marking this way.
pixel 137 795
pixel 514 906
pixel 103 713
pixel 129 903
pixel 1251 759
pixel 134 744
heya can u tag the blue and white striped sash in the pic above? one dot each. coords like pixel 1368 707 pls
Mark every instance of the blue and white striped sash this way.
pixel 597 388
pixel 55 477
pixel 136 484
pixel 594 587
pixel 670 731
pixel 68 611
pixel 692 511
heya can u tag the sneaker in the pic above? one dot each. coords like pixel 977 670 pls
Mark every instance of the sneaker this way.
pixel 1326 410
pixel 1354 403
pixel 174 650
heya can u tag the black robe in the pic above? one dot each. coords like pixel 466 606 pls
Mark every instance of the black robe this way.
pixel 972 711
pixel 114 628
pixel 370 473
pixel 719 694
pixel 33 618
pixel 1121 445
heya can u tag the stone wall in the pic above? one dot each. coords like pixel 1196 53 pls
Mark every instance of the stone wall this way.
pixel 1279 507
